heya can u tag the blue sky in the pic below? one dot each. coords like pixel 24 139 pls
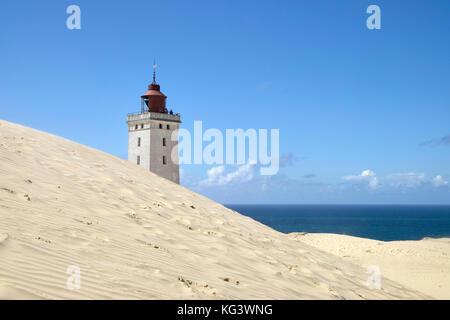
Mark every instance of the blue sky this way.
pixel 363 114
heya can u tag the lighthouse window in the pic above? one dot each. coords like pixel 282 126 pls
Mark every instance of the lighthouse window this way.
pixel 139 142
pixel 168 127
pixel 164 142
pixel 136 127
pixel 160 126
pixel 142 126
pixel 164 159
pixel 138 160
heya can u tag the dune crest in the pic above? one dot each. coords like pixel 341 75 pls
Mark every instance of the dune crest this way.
pixel 134 235
pixel 423 265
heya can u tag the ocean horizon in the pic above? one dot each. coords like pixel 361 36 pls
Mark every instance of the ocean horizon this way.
pixel 379 222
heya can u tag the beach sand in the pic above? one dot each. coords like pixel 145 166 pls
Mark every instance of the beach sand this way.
pixel 134 235
pixel 422 265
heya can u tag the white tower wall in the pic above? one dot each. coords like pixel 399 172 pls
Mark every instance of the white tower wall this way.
pixel 154 129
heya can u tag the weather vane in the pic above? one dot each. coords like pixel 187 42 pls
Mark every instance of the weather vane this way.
pixel 154 71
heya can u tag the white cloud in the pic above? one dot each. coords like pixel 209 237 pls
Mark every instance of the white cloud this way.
pixel 438 181
pixel 409 180
pixel 288 159
pixel 218 177
pixel 414 180
pixel 367 176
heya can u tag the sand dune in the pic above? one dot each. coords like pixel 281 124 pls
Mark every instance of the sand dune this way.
pixel 134 235
pixel 423 265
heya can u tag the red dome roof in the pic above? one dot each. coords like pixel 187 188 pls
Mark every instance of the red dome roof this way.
pixel 153 90
pixel 155 99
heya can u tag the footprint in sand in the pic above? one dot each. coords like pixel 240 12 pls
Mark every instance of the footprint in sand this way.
pixel 135 217
pixel 327 289
pixel 127 179
pixel 149 244
pixel 3 238
pixel 158 204
pixel 85 221
pixel 205 289
pixel 8 190
pixel 235 282
pixel 214 234
pixel 42 239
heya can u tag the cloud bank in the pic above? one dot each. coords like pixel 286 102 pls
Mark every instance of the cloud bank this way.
pixel 367 176
pixel 217 176
pixel 395 180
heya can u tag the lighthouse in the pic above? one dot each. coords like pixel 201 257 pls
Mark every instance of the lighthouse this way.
pixel 151 144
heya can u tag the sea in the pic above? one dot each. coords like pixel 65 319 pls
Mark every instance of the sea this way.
pixel 380 222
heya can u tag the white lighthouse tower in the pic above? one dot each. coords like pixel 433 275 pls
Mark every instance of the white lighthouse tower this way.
pixel 149 144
